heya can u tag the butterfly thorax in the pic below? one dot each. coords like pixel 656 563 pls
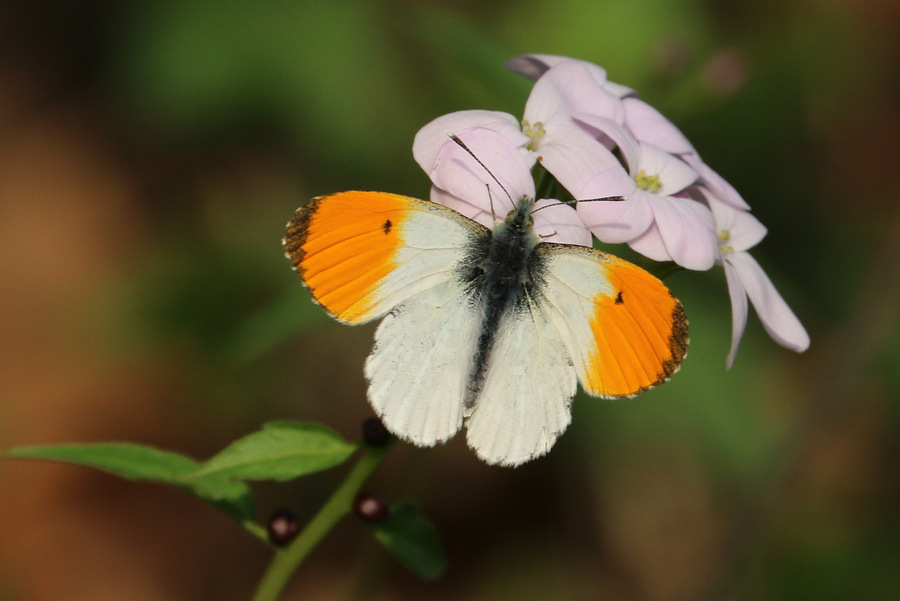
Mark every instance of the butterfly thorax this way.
pixel 503 278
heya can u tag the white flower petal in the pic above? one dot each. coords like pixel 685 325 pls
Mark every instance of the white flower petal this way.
pixel 473 211
pixel 651 245
pixel 458 173
pixel 611 221
pixel 431 138
pixel 619 90
pixel 648 125
pixel 739 311
pixel 575 158
pixel 686 229
pixel 778 319
pixel 611 135
pixel 570 88
pixel 560 223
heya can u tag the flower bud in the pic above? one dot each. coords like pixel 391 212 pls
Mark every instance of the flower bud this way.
pixel 283 527
pixel 370 508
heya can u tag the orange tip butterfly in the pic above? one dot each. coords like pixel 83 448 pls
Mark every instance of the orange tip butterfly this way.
pixel 488 328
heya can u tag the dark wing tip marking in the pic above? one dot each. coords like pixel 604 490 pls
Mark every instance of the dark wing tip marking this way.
pixel 296 232
pixel 678 342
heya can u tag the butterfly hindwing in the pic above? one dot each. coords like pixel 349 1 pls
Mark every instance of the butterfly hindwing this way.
pixel 419 368
pixel 524 404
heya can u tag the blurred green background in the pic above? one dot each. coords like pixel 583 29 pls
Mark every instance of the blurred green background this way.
pixel 150 155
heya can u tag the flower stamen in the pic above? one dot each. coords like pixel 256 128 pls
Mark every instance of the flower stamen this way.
pixel 650 183
pixel 725 236
pixel 534 132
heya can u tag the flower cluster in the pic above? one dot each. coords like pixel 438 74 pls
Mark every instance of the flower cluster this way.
pixel 597 139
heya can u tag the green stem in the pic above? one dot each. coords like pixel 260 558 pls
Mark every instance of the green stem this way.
pixel 258 531
pixel 288 559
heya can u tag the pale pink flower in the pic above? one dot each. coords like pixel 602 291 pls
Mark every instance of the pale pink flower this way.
pixel 641 120
pixel 430 139
pixel 533 66
pixel 659 220
pixel 679 208
pixel 738 232
pixel 460 183
pixel 649 125
pixel 547 131
pixel 571 154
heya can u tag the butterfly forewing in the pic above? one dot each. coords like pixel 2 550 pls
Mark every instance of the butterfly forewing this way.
pixel 624 329
pixel 362 253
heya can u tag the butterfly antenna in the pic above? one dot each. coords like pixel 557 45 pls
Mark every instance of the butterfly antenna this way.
pixel 491 202
pixel 574 202
pixel 462 145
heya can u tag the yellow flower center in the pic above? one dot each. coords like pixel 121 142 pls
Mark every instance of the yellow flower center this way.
pixel 534 132
pixel 725 236
pixel 650 183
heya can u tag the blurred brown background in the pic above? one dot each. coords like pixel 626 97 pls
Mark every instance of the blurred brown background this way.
pixel 150 154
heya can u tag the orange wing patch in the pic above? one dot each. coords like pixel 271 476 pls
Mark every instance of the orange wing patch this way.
pixel 640 332
pixel 343 245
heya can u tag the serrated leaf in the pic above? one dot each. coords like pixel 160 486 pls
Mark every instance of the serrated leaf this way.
pixel 148 464
pixel 411 539
pixel 282 450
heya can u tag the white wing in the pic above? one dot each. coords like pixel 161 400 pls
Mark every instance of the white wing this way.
pixel 419 367
pixel 525 403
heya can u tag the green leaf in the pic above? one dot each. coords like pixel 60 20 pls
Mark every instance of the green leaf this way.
pixel 148 464
pixel 234 498
pixel 282 450
pixel 131 461
pixel 411 539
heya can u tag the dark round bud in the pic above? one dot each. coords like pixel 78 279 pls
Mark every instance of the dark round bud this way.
pixel 283 527
pixel 374 432
pixel 370 508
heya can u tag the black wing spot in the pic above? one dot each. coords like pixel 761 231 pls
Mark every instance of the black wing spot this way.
pixel 619 299
pixel 387 226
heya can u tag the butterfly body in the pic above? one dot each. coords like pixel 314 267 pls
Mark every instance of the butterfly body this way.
pixel 505 270
pixel 488 328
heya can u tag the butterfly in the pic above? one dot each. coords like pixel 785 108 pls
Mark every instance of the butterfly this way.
pixel 490 328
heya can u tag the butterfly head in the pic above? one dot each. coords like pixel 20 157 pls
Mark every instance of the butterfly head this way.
pixel 520 218
pixel 516 231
